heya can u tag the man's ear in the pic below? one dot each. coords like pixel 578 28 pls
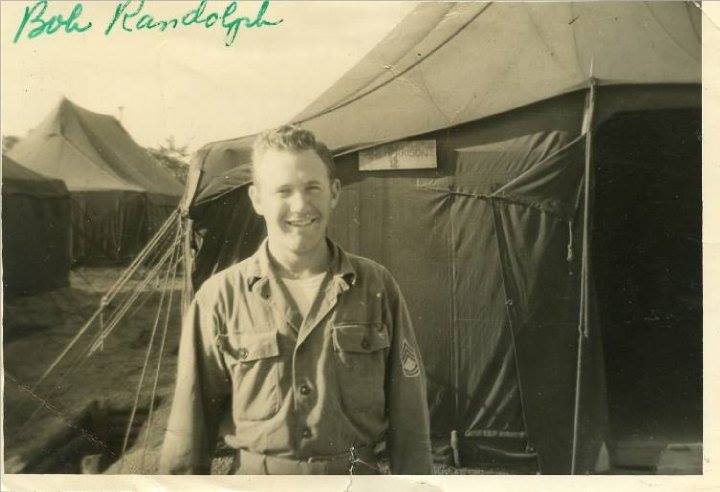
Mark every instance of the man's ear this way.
pixel 254 194
pixel 334 193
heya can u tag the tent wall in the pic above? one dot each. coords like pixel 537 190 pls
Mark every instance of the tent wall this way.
pixel 36 243
pixel 436 231
pixel 115 224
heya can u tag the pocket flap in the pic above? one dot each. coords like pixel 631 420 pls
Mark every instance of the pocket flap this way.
pixel 361 337
pixel 257 345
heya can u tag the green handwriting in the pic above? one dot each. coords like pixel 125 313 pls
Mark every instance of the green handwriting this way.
pixel 33 19
pixel 129 19
pixel 130 15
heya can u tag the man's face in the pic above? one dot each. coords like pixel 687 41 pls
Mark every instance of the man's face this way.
pixel 293 193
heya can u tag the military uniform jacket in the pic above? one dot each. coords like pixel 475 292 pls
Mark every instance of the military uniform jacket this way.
pixel 349 375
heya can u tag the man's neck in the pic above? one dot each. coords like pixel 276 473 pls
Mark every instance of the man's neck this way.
pixel 291 265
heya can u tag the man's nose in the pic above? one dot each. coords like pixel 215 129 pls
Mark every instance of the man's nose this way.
pixel 297 201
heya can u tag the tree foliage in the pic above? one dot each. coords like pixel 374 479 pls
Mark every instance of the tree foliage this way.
pixel 8 142
pixel 172 157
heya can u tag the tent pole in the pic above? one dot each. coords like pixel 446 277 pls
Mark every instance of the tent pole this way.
pixel 585 275
pixel 191 189
pixel 187 293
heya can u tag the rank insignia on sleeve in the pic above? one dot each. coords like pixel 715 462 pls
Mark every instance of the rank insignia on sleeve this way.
pixel 409 360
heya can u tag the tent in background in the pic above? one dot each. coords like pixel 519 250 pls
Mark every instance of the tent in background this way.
pixel 494 247
pixel 35 231
pixel 120 194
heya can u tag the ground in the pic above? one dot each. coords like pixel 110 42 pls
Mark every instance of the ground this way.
pixel 85 411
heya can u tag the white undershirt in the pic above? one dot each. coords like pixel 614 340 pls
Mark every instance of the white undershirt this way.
pixel 304 291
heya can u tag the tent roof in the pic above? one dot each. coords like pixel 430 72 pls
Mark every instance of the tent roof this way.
pixel 451 63
pixel 447 64
pixel 19 180
pixel 91 151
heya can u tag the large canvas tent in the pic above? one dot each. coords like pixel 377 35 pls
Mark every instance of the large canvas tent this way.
pixel 120 194
pixel 494 247
pixel 36 231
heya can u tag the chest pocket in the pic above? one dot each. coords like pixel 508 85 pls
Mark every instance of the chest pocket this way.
pixel 255 375
pixel 361 353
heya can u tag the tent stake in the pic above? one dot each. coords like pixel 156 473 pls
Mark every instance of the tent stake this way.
pixel 455 446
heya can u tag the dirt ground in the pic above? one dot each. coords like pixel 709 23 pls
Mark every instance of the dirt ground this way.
pixel 83 408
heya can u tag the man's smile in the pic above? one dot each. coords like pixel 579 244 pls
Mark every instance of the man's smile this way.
pixel 304 222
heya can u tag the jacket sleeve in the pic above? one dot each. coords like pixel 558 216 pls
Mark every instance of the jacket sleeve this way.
pixel 201 389
pixel 408 437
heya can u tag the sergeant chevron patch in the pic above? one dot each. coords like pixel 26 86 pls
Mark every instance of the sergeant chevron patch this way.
pixel 409 360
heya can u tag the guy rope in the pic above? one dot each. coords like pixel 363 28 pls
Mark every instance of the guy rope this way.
pixel 153 270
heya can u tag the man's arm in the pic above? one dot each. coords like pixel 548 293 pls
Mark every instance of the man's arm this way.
pixel 201 389
pixel 408 437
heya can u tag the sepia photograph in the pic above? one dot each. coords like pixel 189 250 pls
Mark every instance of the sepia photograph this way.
pixel 352 238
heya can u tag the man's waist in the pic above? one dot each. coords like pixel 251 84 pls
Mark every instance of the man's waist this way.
pixel 354 460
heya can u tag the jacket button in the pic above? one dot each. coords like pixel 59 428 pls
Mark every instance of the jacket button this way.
pixel 304 389
pixel 365 344
pixel 306 433
pixel 242 353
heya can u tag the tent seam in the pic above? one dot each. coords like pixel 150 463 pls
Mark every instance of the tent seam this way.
pixel 661 26
pixel 507 198
pixel 401 73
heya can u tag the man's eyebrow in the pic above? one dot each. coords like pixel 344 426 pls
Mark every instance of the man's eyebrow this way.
pixel 287 186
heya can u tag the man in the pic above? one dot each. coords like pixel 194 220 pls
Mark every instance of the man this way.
pixel 304 351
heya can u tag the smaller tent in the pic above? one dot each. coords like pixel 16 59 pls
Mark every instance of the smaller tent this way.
pixel 35 230
pixel 120 194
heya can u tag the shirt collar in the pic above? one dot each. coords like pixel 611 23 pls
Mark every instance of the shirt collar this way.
pixel 260 269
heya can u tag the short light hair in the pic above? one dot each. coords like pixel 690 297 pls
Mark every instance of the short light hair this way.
pixel 292 138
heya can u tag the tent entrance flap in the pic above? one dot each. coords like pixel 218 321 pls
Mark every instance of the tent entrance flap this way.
pixel 542 283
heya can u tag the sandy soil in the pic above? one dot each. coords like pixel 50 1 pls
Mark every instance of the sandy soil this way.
pixel 81 409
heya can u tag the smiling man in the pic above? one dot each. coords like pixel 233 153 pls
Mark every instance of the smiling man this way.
pixel 305 352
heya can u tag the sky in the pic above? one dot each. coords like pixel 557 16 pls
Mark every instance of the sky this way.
pixel 185 82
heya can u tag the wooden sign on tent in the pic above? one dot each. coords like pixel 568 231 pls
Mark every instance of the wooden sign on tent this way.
pixel 415 154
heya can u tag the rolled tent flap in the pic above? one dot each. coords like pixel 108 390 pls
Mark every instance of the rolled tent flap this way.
pixel 226 183
pixel 553 184
pixel 540 253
